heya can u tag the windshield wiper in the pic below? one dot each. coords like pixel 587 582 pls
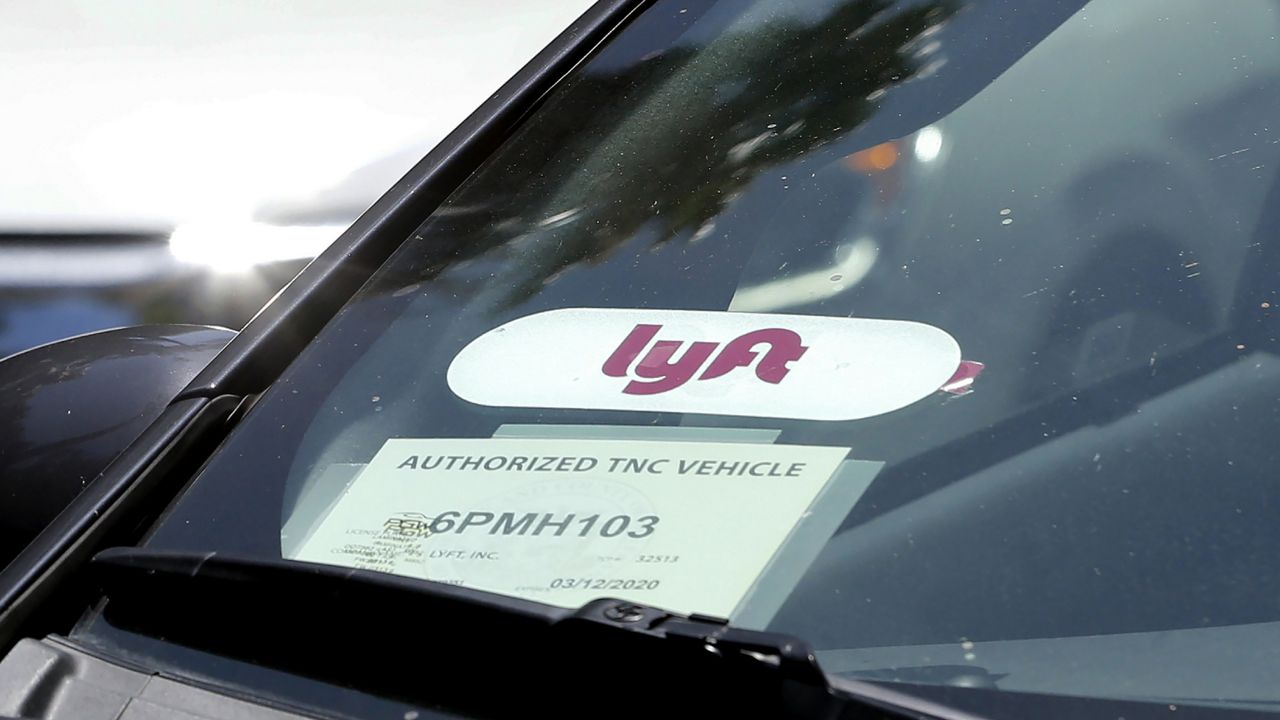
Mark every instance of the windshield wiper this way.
pixel 473 651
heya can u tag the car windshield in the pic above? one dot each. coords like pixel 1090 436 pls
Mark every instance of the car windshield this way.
pixel 938 333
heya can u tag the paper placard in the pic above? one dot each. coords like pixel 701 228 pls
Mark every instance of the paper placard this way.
pixel 686 526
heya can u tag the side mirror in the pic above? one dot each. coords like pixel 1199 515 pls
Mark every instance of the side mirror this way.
pixel 67 409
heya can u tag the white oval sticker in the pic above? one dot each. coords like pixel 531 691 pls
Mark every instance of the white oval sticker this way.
pixel 800 367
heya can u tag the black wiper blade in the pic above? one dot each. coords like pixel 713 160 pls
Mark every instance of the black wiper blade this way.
pixel 472 651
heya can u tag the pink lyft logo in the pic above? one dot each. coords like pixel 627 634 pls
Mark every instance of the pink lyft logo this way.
pixel 657 371
pixel 802 367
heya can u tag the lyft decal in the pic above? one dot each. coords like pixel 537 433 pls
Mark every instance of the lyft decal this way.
pixel 721 363
pixel 658 371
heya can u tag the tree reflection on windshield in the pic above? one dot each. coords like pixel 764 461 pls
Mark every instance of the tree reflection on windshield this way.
pixel 683 139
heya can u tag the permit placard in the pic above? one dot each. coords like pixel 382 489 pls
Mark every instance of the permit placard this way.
pixel 686 526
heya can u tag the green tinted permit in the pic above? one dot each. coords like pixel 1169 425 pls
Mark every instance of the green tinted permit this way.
pixel 686 526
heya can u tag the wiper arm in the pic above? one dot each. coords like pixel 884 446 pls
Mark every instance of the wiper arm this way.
pixel 473 651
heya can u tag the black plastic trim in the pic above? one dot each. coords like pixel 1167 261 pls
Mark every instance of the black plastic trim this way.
pixel 41 582
pixel 275 336
pixel 609 657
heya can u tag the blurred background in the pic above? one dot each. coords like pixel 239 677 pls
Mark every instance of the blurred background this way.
pixel 181 161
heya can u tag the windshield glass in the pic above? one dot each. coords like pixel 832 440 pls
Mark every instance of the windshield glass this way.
pixel 938 333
